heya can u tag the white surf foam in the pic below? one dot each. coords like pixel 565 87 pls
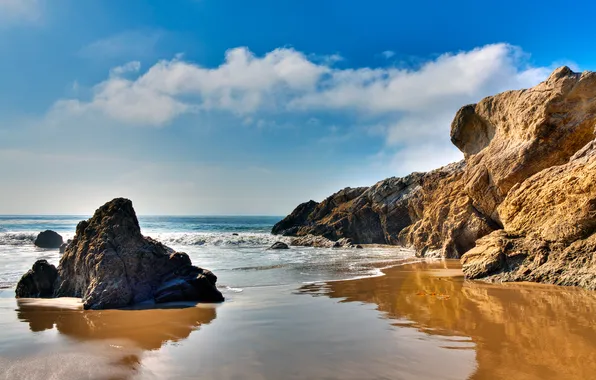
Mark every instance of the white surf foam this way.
pixel 249 239
pixel 17 238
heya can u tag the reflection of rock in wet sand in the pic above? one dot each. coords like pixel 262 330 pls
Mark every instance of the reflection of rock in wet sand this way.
pixel 145 329
pixel 520 331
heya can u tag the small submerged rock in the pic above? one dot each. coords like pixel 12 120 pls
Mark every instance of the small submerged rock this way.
pixel 344 243
pixel 65 245
pixel 279 245
pixel 110 264
pixel 323 242
pixel 48 239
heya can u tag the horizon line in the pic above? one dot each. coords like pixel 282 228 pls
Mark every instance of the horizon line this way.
pixel 154 215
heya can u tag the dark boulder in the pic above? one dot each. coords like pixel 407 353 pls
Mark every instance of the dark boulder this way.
pixel 198 286
pixel 279 245
pixel 344 243
pixel 38 282
pixel 48 239
pixel 110 264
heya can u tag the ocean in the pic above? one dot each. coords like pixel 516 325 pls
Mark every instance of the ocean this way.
pixel 235 248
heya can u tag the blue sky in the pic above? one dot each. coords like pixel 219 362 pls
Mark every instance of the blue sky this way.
pixel 238 107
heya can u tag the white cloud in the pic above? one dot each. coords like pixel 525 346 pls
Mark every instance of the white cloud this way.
pixel 14 11
pixel 412 108
pixel 388 54
pixel 243 84
pixel 130 67
pixel 465 75
pixel 285 79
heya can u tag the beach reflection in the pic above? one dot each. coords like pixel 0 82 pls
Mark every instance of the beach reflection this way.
pixel 146 329
pixel 117 339
pixel 520 331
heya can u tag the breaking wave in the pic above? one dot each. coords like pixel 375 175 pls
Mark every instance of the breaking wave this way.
pixel 24 238
pixel 17 238
pixel 242 239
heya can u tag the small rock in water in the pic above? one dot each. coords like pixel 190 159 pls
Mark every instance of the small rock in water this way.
pixel 234 234
pixel 38 282
pixel 48 239
pixel 63 247
pixel 279 245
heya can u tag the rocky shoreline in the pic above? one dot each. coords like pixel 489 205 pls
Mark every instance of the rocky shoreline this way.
pixel 519 207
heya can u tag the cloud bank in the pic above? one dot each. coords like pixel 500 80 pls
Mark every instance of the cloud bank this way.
pixel 410 108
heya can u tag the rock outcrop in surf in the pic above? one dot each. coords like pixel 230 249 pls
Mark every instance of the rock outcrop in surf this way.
pixel 48 239
pixel 520 206
pixel 110 264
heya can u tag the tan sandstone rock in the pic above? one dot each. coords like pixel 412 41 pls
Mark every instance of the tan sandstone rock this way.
pixel 526 182
pixel 549 221
pixel 511 136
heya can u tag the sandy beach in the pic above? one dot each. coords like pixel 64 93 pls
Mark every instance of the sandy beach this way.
pixel 419 321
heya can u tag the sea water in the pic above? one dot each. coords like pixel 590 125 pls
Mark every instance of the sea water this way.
pixel 285 316
pixel 235 248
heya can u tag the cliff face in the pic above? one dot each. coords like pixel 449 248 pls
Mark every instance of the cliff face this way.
pixel 427 211
pixel 526 131
pixel 526 182
pixel 549 224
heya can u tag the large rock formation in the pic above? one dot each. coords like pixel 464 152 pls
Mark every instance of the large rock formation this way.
pixel 427 211
pixel 48 239
pixel 110 264
pixel 525 182
pixel 531 130
pixel 549 229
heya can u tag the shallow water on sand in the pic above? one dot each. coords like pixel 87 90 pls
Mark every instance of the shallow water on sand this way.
pixel 420 321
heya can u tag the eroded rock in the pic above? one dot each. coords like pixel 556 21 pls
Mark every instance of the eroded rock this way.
pixel 524 189
pixel 110 264
pixel 549 229
pixel 427 211
pixel 534 129
pixel 38 282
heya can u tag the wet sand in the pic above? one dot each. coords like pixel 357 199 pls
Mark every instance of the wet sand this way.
pixel 419 321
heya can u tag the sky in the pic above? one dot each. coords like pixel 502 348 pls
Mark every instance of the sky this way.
pixel 235 107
